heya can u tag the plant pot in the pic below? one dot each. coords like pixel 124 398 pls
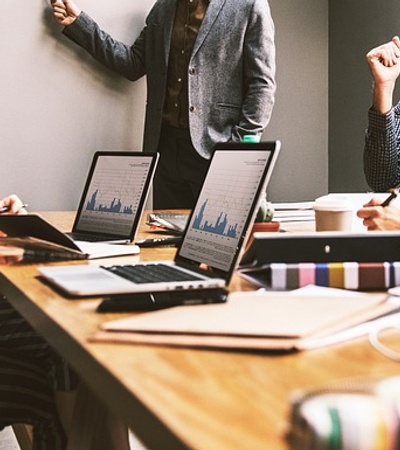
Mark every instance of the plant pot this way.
pixel 265 226
pixel 262 227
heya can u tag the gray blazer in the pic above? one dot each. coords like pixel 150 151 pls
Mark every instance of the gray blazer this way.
pixel 231 70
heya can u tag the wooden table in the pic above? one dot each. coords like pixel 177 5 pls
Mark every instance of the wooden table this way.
pixel 182 398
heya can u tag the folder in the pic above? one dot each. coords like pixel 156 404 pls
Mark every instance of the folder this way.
pixel 277 322
pixel 322 247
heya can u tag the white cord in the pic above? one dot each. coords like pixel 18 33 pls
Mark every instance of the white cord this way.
pixel 380 346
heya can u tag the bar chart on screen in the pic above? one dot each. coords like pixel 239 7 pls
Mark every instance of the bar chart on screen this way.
pixel 220 226
pixel 223 208
pixel 115 192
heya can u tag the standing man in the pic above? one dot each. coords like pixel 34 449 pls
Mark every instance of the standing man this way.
pixel 382 139
pixel 210 68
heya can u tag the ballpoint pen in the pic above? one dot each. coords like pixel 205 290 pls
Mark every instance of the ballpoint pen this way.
pixel 391 197
pixel 7 208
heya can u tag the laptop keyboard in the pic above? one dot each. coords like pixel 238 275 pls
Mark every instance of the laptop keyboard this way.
pixel 84 237
pixel 151 273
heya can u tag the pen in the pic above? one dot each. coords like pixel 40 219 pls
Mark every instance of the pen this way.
pixel 391 197
pixel 159 242
pixel 7 208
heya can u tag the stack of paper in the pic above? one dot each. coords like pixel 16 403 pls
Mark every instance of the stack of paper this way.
pixel 293 211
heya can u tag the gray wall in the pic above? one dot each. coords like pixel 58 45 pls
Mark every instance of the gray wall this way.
pixel 300 117
pixel 58 106
pixel 356 26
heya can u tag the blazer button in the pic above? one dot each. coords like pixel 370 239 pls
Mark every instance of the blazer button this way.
pixel 191 109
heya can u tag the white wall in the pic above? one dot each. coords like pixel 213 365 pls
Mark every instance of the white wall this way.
pixel 58 106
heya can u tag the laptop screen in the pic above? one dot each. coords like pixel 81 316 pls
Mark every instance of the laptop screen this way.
pixel 115 193
pixel 227 204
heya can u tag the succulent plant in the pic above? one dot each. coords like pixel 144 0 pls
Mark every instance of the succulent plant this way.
pixel 265 211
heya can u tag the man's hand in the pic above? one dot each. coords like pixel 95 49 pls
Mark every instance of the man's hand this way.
pixel 65 11
pixel 13 205
pixel 384 62
pixel 376 217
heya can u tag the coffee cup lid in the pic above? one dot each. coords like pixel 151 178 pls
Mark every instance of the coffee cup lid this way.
pixel 332 205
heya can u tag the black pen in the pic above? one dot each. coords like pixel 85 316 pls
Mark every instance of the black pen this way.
pixel 391 197
pixel 159 242
pixel 7 208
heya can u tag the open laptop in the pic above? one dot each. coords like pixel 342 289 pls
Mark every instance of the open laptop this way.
pixel 110 210
pixel 114 196
pixel 213 240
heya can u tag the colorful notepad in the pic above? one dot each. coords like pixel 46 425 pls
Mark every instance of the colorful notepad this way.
pixel 345 275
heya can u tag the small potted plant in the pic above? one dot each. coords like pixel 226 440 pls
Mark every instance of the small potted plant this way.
pixel 265 214
pixel 263 221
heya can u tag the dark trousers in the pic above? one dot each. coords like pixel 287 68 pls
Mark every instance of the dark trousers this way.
pixel 180 173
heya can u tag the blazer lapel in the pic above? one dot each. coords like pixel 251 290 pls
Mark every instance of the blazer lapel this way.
pixel 211 14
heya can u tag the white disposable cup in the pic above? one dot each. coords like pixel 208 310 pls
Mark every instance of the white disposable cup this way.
pixel 333 215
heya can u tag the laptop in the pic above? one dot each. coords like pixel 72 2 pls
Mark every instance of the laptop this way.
pixel 213 240
pixel 110 210
pixel 114 196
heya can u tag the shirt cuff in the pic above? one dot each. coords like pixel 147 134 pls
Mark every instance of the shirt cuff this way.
pixel 379 121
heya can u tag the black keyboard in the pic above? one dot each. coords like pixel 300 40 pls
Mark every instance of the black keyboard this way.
pixel 151 273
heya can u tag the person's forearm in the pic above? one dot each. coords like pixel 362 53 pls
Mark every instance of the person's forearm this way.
pixel 115 55
pixel 380 152
pixel 382 97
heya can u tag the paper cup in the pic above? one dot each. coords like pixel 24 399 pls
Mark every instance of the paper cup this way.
pixel 333 215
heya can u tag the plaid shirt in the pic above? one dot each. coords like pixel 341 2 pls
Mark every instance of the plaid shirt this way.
pixel 382 149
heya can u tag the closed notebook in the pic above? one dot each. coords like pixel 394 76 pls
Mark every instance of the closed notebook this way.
pixel 250 321
pixel 51 244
